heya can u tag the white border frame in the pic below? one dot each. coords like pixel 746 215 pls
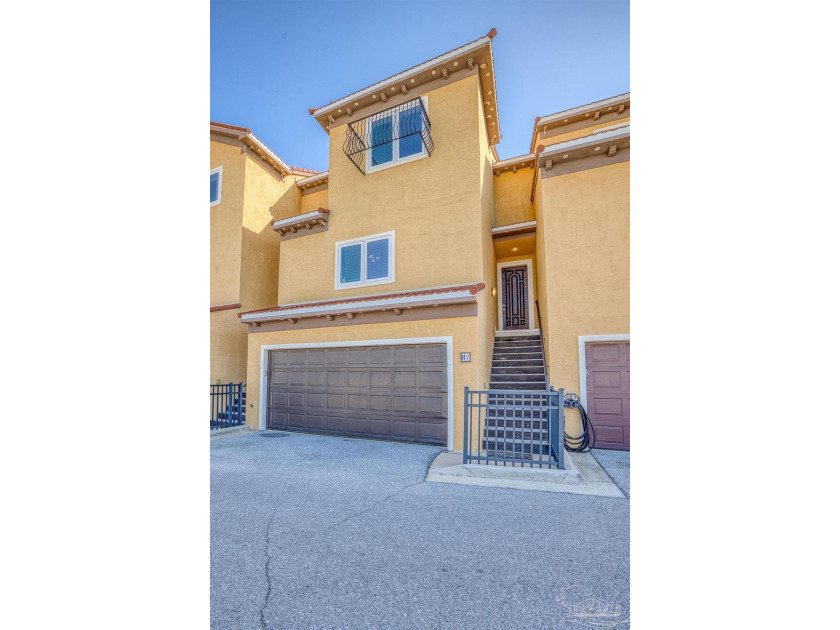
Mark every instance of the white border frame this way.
pixel 218 170
pixel 531 297
pixel 392 256
pixel 582 341
pixel 397 160
pixel 450 372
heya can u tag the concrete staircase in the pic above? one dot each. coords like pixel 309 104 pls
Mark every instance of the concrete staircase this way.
pixel 518 365
pixel 518 362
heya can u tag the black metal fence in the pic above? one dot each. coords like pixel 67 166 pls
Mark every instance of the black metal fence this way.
pixel 227 405
pixel 388 135
pixel 514 427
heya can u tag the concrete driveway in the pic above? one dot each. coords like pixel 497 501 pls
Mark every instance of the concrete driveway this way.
pixel 323 532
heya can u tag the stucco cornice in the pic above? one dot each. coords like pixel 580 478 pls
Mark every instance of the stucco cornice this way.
pixel 599 149
pixel 348 307
pixel 590 112
pixel 477 57
pixel 318 179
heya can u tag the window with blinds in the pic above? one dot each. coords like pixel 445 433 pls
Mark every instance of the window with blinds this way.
pixel 393 136
pixel 365 261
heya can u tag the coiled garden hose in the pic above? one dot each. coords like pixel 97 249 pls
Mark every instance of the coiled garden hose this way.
pixel 583 442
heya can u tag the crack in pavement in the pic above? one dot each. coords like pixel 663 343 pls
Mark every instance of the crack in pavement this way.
pixel 267 552
pixel 366 510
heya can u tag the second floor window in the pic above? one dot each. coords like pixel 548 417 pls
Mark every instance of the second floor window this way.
pixel 365 261
pixel 396 137
pixel 216 186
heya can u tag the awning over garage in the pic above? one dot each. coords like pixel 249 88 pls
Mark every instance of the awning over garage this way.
pixel 450 301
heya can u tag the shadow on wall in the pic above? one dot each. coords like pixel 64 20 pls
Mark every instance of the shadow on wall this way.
pixel 261 251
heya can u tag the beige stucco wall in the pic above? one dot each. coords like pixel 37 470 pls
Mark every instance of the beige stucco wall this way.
pixel 433 204
pixel 463 330
pixel 486 301
pixel 228 347
pixel 512 192
pixel 441 209
pixel 225 222
pixel 584 247
pixel 312 201
pixel 243 252
pixel 266 199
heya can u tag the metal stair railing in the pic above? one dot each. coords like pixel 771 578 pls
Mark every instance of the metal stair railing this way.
pixel 514 427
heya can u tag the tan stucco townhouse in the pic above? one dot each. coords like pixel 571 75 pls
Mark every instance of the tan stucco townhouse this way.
pixel 362 301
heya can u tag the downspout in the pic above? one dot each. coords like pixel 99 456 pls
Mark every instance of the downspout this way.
pixel 539 150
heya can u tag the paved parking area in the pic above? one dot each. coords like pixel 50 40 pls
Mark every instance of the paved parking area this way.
pixel 617 465
pixel 322 532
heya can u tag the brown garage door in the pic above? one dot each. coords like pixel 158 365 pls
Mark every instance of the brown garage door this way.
pixel 608 393
pixel 380 392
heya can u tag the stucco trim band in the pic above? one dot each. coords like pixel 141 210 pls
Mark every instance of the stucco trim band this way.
pixel 459 294
pixel 224 307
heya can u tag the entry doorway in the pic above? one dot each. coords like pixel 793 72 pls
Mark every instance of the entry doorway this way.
pixel 515 280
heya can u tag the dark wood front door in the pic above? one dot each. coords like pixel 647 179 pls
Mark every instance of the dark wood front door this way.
pixel 515 298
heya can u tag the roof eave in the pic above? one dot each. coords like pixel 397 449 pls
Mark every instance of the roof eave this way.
pixel 329 116
pixel 405 74
pixel 580 147
pixel 246 137
pixel 313 179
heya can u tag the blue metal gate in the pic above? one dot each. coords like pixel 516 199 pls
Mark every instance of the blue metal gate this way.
pixel 514 427
pixel 227 405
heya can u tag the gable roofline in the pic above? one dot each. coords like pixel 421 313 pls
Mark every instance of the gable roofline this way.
pixel 447 63
pixel 249 140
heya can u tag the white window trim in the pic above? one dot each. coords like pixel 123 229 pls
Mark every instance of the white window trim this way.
pixel 582 341
pixel 395 144
pixel 219 171
pixel 391 236
pixel 264 350
pixel 531 297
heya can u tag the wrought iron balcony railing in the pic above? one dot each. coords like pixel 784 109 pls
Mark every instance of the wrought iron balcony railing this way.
pixel 390 136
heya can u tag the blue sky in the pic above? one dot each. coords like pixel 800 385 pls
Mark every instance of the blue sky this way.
pixel 271 61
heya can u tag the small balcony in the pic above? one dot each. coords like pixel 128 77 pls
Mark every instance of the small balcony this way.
pixel 397 134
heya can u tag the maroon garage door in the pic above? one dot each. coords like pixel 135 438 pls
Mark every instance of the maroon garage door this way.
pixel 381 392
pixel 608 393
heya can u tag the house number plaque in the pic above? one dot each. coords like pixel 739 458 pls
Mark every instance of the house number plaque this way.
pixel 465 357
